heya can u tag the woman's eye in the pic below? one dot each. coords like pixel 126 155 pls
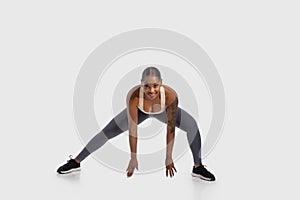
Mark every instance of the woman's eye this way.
pixel 146 86
pixel 155 85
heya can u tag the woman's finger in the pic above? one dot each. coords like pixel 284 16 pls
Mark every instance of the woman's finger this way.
pixel 129 174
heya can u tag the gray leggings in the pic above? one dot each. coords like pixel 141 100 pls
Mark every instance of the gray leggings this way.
pixel 119 124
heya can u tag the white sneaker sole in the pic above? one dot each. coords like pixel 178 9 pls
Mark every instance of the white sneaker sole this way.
pixel 70 171
pixel 202 177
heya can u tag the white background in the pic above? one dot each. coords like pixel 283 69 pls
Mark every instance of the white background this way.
pixel 254 45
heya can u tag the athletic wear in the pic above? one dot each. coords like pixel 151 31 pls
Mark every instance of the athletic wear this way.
pixel 203 173
pixel 70 166
pixel 162 101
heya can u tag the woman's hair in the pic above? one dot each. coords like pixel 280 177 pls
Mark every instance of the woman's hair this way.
pixel 151 71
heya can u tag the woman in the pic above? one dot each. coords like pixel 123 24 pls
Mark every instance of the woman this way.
pixel 150 99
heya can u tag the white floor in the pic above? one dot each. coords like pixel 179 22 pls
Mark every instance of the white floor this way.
pixel 242 173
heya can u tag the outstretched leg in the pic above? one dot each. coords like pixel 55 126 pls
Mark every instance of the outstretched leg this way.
pixel 116 126
pixel 187 123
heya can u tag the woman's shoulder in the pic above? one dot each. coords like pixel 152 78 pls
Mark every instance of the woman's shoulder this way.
pixel 171 94
pixel 169 90
pixel 133 92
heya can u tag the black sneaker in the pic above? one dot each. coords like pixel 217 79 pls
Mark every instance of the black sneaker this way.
pixel 70 166
pixel 203 173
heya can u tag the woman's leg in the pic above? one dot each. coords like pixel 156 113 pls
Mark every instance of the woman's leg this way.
pixel 116 126
pixel 187 123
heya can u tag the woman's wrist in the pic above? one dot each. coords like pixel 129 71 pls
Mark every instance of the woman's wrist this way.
pixel 133 156
pixel 169 158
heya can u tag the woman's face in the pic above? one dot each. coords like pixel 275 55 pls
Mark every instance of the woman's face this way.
pixel 151 86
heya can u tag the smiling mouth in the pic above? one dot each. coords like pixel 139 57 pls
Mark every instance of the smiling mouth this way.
pixel 151 94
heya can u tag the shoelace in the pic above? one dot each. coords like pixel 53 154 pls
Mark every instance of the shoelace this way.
pixel 70 157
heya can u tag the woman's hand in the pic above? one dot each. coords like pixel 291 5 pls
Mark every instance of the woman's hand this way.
pixel 170 168
pixel 133 164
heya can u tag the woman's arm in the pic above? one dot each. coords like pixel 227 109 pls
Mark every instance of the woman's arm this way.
pixel 132 127
pixel 132 116
pixel 132 102
pixel 171 123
